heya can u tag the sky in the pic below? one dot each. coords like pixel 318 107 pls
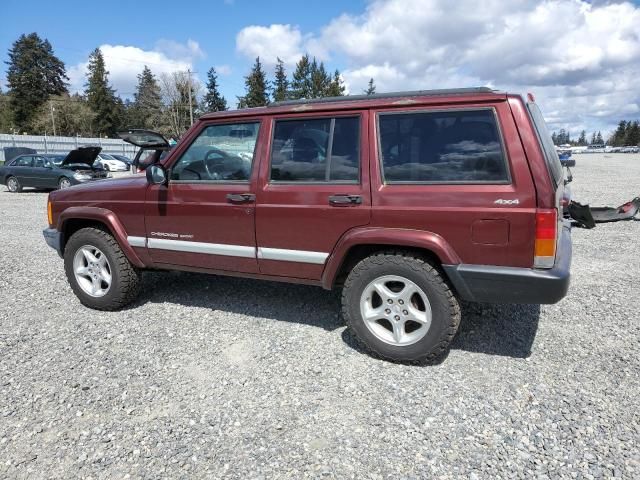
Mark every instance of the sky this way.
pixel 580 59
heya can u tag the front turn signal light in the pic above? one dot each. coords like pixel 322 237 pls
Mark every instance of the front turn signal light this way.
pixel 49 213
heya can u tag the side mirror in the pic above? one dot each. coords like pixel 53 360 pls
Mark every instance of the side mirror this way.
pixel 156 175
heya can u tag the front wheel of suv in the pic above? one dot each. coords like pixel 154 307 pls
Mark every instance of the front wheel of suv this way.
pixel 399 306
pixel 98 271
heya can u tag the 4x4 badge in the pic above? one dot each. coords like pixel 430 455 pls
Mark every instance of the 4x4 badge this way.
pixel 502 201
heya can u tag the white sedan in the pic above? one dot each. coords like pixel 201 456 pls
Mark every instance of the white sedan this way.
pixel 111 164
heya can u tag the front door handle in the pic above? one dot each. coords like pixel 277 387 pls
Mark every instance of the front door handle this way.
pixel 344 200
pixel 240 197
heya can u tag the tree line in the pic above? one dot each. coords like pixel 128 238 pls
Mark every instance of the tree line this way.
pixel 626 134
pixel 38 100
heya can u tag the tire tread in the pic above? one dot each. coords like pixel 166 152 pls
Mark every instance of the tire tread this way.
pixel 421 266
pixel 130 278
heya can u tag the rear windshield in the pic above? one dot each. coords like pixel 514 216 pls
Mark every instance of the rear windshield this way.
pixel 550 154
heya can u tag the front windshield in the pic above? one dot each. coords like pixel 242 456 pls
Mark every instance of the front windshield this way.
pixel 107 157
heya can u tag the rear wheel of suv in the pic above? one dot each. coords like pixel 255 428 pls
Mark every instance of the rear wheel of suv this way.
pixel 399 306
pixel 98 271
pixel 13 185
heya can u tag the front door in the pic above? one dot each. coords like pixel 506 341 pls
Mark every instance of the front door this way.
pixel 314 189
pixel 43 174
pixel 205 216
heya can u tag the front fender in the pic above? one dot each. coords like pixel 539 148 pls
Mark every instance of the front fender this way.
pixel 109 219
pixel 393 237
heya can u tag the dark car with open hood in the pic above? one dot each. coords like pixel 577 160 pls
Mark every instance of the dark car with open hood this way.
pixel 44 171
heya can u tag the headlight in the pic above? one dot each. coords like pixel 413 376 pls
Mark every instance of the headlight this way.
pixel 81 177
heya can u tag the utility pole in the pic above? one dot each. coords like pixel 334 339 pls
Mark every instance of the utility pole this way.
pixel 190 103
pixel 53 118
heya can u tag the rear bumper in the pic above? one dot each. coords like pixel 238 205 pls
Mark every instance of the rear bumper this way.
pixel 493 284
pixel 54 239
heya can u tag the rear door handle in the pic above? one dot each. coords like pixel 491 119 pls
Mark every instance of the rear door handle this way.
pixel 344 200
pixel 240 197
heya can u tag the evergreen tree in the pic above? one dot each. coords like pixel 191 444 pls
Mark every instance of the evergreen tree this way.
pixel 301 82
pixel 256 86
pixel 582 139
pixel 320 79
pixel 34 73
pixel 371 88
pixel 632 136
pixel 599 139
pixel 336 87
pixel 619 135
pixel 241 103
pixel 281 83
pixel 146 109
pixel 100 96
pixel 213 101
pixel 593 139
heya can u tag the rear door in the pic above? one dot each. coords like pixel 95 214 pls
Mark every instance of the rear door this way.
pixel 205 216
pixel 22 168
pixel 313 188
pixel 459 172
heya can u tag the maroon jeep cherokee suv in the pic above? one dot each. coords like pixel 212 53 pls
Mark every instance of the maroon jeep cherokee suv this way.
pixel 408 201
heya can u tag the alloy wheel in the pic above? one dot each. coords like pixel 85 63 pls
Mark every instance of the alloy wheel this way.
pixel 92 271
pixel 395 310
pixel 12 184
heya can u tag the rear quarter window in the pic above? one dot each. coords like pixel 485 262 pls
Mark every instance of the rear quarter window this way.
pixel 544 137
pixel 451 147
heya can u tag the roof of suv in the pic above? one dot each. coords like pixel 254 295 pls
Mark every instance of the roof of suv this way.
pixel 417 97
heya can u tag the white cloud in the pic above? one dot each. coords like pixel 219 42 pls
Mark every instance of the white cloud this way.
pixel 581 59
pixel 269 43
pixel 223 70
pixel 125 62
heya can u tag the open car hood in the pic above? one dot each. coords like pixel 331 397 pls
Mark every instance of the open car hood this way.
pixel 144 138
pixel 82 155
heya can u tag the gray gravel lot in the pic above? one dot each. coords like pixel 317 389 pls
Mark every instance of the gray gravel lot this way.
pixel 228 378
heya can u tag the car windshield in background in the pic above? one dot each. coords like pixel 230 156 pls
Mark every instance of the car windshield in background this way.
pixel 106 156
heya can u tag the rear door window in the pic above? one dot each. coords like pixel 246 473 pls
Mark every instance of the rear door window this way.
pixel 316 150
pixel 25 161
pixel 458 146
pixel 548 148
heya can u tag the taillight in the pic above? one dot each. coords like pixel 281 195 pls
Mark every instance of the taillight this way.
pixel 49 213
pixel 546 235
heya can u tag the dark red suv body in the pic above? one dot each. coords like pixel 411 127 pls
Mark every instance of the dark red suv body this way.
pixel 464 182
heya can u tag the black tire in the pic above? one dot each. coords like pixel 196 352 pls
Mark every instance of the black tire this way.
pixel 445 310
pixel 125 278
pixel 65 181
pixel 18 185
pixel 106 167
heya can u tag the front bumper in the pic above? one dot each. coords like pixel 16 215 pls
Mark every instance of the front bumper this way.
pixel 493 284
pixel 54 239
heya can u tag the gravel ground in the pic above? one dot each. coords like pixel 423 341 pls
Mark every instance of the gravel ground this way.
pixel 218 377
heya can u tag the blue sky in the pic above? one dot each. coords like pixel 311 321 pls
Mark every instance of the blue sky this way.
pixel 214 24
pixel 581 59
